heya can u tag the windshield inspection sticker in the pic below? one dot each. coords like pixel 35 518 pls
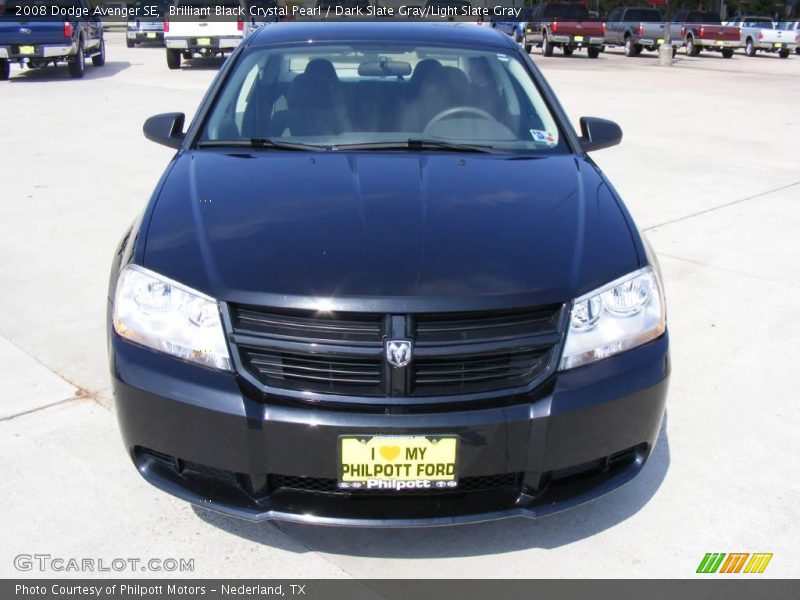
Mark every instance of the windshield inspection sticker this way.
pixel 543 137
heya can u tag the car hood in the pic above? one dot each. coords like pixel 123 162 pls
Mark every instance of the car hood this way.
pixel 297 228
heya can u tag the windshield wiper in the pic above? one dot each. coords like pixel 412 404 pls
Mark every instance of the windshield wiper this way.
pixel 417 144
pixel 259 143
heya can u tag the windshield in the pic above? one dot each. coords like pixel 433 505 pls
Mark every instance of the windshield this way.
pixel 375 93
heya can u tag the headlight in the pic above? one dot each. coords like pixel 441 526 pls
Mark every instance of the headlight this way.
pixel 619 316
pixel 164 315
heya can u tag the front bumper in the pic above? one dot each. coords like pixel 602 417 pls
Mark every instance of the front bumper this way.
pixel 192 432
pixel 195 44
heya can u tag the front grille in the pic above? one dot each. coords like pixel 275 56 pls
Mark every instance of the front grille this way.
pixel 320 485
pixel 341 355
pixel 479 327
pixel 360 329
pixel 478 372
pixel 315 372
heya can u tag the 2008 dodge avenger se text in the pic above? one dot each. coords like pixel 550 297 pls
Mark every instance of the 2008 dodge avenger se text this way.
pixel 381 283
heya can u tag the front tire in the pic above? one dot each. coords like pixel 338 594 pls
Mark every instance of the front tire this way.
pixel 784 53
pixel 99 59
pixel 77 64
pixel 5 69
pixel 547 46
pixel 593 52
pixel 173 59
pixel 130 43
pixel 566 50
pixel 727 53
pixel 528 48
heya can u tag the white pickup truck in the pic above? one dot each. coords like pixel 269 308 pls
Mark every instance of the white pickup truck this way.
pixel 195 27
pixel 761 34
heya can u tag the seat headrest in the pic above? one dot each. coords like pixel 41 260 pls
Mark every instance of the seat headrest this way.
pixel 480 72
pixel 424 70
pixel 452 78
pixel 322 69
pixel 317 87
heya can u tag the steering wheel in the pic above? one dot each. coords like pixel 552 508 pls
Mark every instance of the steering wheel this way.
pixel 455 110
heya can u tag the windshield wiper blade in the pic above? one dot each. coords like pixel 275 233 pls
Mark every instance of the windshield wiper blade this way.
pixel 260 143
pixel 417 144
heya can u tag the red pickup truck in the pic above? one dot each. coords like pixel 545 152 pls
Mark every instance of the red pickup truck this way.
pixel 565 26
pixel 705 31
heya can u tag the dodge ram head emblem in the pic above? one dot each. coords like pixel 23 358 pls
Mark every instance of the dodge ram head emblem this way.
pixel 398 352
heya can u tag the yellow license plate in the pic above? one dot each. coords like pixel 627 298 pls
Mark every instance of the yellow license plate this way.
pixel 778 45
pixel 152 36
pixel 578 38
pixel 395 463
pixel 720 43
pixel 27 50
pixel 203 41
pixel 660 41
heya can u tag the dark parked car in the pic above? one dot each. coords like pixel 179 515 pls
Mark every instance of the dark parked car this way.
pixel 26 38
pixel 382 283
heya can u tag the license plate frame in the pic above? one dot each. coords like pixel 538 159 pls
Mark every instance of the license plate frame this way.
pixel 203 41
pixel 720 43
pixel 412 467
pixel 27 50
pixel 151 35
pixel 578 38
pixel 779 44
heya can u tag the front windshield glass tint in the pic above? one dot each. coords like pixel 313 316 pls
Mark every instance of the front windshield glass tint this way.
pixel 370 94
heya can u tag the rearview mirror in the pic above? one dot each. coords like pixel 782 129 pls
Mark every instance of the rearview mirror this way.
pixel 166 129
pixel 384 68
pixel 597 134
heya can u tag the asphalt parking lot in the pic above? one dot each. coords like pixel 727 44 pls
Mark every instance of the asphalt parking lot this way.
pixel 709 167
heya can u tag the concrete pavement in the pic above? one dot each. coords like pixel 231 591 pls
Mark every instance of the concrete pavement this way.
pixel 709 167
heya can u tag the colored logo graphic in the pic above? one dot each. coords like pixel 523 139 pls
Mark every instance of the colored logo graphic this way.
pixel 735 562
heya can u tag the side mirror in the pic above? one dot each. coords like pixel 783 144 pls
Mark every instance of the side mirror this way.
pixel 166 129
pixel 597 134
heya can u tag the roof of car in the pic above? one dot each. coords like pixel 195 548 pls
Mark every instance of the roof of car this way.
pixel 439 33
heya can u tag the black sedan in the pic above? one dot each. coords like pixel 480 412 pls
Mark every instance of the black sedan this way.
pixel 382 283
